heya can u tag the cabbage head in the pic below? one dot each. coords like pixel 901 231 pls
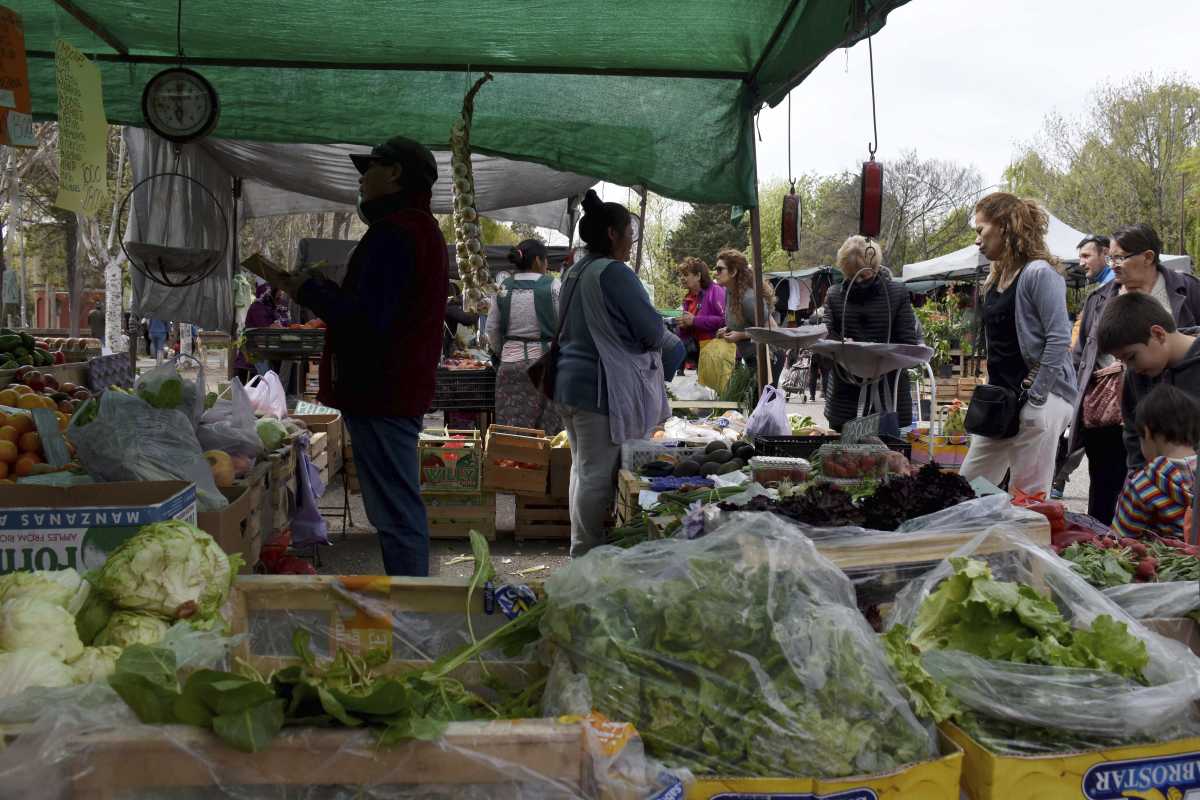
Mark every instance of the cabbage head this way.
pixel 54 586
pixel 26 668
pixel 126 628
pixel 272 432
pixel 96 664
pixel 28 622
pixel 172 569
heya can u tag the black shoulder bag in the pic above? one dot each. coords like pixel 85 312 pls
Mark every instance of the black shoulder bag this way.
pixel 542 373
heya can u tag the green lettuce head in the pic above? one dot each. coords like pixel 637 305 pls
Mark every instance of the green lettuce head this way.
pixel 28 622
pixel 96 664
pixel 24 669
pixel 272 433
pixel 171 569
pixel 126 628
pixel 61 587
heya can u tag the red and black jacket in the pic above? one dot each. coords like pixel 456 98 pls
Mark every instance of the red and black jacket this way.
pixel 384 323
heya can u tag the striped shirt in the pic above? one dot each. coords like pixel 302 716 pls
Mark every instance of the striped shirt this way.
pixel 1156 498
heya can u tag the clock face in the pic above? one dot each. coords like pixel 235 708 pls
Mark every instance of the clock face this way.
pixel 180 105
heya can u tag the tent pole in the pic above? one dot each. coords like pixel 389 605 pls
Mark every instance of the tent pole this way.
pixel 637 265
pixel 760 350
pixel 231 358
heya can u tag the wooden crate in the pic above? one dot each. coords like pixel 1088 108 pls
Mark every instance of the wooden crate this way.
pixel 560 473
pixel 156 760
pixel 542 519
pixel 450 461
pixel 526 445
pixel 360 613
pixel 453 516
pixel 629 488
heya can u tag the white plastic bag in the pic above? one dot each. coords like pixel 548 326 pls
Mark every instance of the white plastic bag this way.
pixel 267 396
pixel 770 415
pixel 230 425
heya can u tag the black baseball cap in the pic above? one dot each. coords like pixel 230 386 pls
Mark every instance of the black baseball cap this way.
pixel 414 158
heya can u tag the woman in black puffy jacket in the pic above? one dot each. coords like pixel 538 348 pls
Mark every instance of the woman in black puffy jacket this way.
pixel 868 306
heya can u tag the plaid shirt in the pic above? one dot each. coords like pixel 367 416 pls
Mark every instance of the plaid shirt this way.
pixel 1156 498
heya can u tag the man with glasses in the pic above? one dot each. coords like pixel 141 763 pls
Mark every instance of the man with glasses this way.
pixel 1093 258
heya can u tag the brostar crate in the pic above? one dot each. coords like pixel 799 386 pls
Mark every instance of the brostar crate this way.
pixel 935 779
pixel 450 461
pixel 454 515
pixel 1167 769
pixel 516 460
pixel 539 518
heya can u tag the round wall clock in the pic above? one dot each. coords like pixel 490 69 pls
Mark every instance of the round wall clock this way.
pixel 180 105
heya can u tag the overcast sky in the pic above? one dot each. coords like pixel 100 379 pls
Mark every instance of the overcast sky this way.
pixel 968 80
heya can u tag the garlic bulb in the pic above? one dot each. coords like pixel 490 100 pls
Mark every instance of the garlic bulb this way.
pixel 472 263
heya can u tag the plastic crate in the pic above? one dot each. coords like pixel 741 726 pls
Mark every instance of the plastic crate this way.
pixel 640 452
pixel 464 390
pixel 284 341
pixel 806 446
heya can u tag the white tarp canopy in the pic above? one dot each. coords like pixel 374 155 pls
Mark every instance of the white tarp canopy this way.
pixel 299 178
pixel 1061 238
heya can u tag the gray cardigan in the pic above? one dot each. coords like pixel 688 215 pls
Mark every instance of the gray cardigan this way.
pixel 1044 331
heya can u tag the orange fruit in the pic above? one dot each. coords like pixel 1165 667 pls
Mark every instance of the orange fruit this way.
pixel 8 453
pixel 48 402
pixel 10 434
pixel 26 463
pixel 22 423
pixel 30 402
pixel 8 398
pixel 30 442
pixel 23 390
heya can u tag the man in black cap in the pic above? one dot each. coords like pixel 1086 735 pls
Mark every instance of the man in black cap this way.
pixel 384 339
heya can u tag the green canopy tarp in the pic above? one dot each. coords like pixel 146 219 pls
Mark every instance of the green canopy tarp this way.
pixel 659 93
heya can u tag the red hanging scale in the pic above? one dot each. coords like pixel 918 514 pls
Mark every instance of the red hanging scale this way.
pixel 870 208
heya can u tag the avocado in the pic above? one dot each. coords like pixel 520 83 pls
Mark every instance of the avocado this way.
pixel 737 462
pixel 728 467
pixel 657 469
pixel 710 468
pixel 719 456
pixel 714 447
pixel 686 469
pixel 744 451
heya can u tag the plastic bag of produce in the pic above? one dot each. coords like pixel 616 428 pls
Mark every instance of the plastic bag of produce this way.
pixel 164 388
pixel 129 440
pixel 267 395
pixel 1039 659
pixel 230 425
pixel 770 415
pixel 716 364
pixel 739 653
pixel 308 525
pixel 1156 600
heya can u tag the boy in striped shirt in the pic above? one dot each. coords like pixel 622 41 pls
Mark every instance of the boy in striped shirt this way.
pixel 1157 496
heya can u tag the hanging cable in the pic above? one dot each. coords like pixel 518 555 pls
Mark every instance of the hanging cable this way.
pixel 874 121
pixel 791 180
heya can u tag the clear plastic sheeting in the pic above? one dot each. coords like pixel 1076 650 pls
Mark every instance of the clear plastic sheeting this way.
pixel 1034 703
pixel 739 653
pixel 103 750
pixel 1156 600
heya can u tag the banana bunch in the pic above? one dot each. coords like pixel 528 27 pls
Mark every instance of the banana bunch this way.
pixel 468 228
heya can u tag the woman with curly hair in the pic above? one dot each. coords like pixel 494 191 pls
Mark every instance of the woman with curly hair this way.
pixel 1027 336
pixel 735 275
pixel 703 306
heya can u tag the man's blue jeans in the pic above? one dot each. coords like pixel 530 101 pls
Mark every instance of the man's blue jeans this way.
pixel 672 357
pixel 385 453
